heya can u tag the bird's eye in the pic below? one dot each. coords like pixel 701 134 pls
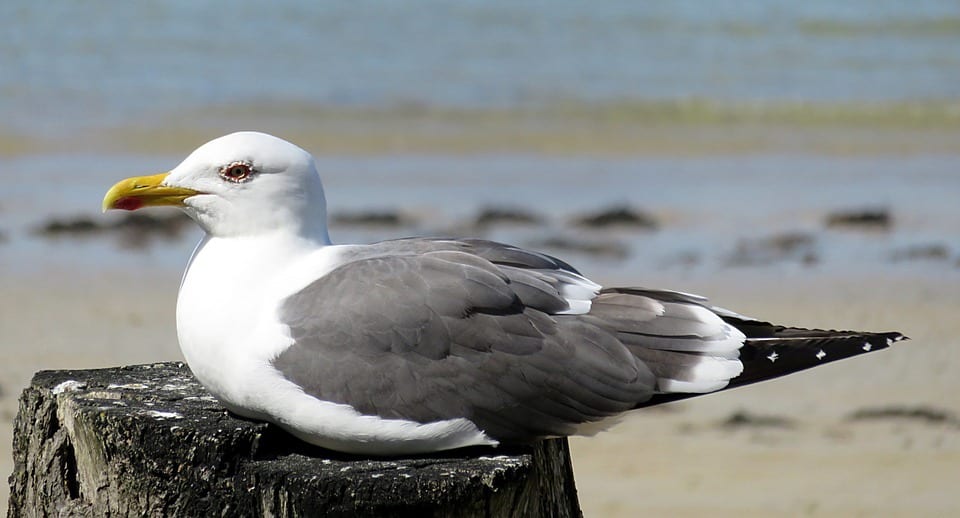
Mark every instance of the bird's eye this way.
pixel 236 172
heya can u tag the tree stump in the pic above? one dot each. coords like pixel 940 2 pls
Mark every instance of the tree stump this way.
pixel 148 440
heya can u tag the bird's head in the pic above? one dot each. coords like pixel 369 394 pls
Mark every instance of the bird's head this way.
pixel 242 184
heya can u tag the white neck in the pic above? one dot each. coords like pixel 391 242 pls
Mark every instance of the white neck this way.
pixel 231 288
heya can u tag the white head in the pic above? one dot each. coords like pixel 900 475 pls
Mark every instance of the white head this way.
pixel 242 184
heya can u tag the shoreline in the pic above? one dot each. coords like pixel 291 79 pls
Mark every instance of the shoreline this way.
pixel 599 131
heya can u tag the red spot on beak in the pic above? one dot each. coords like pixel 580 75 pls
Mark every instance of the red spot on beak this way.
pixel 128 203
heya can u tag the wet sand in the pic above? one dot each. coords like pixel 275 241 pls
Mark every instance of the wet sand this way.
pixel 610 131
pixel 683 460
pixel 680 459
pixel 60 321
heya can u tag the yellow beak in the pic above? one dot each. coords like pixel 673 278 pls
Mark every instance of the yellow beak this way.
pixel 145 191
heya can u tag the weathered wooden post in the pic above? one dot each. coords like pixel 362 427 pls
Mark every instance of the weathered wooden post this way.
pixel 148 440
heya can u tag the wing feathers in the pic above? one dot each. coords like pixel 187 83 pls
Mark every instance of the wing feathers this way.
pixel 519 342
pixel 443 334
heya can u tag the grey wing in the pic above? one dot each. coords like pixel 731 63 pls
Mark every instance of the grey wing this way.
pixel 541 280
pixel 519 342
pixel 446 334
pixel 497 253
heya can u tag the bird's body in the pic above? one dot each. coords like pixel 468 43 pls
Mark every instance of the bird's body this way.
pixel 422 345
pixel 232 352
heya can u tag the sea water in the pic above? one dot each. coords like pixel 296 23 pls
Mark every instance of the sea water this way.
pixel 89 91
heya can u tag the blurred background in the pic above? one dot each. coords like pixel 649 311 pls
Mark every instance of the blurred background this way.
pixel 796 161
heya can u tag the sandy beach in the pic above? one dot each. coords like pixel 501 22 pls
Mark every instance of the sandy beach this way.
pixel 796 450
pixel 877 435
pixel 742 133
pixel 803 453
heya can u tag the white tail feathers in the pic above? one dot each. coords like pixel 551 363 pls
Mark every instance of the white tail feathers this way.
pixel 687 346
pixel 706 374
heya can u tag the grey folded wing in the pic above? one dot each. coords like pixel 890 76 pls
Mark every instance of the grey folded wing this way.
pixel 434 335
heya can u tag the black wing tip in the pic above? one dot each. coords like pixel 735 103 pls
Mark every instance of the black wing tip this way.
pixel 770 358
pixel 894 337
pixel 883 340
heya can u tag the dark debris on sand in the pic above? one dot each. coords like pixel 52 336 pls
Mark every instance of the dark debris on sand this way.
pixel 621 216
pixel 863 219
pixel 683 260
pixel 506 215
pixel 743 419
pixel 78 226
pixel 134 231
pixel 920 414
pixel 372 218
pixel 926 252
pixel 791 246
pixel 608 249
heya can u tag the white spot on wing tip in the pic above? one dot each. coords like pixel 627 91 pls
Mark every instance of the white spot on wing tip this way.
pixel 867 346
pixel 821 354
pixel 773 356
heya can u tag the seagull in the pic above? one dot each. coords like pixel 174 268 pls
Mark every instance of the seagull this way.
pixel 420 345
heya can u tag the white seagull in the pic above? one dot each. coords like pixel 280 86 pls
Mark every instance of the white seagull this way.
pixel 420 345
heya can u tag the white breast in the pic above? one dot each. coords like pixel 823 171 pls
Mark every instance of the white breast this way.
pixel 227 304
pixel 229 334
